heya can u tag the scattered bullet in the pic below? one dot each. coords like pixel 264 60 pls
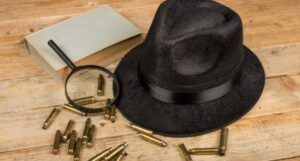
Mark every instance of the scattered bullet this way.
pixel 51 118
pixel 140 129
pixel 57 142
pixel 185 153
pixel 85 134
pixel 91 137
pixel 67 132
pixel 223 141
pixel 72 143
pixel 72 109
pixel 102 154
pixel 115 152
pixel 204 151
pixel 154 140
pixel 77 149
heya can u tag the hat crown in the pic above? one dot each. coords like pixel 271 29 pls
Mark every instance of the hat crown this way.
pixel 187 58
pixel 193 44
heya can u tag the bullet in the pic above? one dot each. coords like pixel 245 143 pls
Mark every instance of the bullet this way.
pixel 204 151
pixel 121 156
pixel 57 142
pixel 67 132
pixel 85 101
pixel 154 140
pixel 223 141
pixel 91 136
pixel 112 114
pixel 102 154
pixel 51 118
pixel 140 129
pixel 101 83
pixel 77 149
pixel 72 109
pixel 185 153
pixel 107 109
pixel 85 134
pixel 72 143
pixel 115 152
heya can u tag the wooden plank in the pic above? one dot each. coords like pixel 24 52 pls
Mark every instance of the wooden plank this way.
pixel 48 93
pixel 280 60
pixel 34 20
pixel 293 84
pixel 290 159
pixel 258 138
pixel 45 15
pixel 277 61
pixel 26 117
pixel 19 68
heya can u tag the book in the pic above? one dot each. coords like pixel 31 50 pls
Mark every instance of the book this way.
pixel 85 39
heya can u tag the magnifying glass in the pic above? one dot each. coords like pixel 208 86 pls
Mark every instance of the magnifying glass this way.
pixel 90 89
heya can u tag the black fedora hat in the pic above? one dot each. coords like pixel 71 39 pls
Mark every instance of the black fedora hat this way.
pixel 192 74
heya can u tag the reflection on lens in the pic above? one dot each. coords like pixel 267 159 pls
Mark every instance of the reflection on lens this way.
pixel 90 88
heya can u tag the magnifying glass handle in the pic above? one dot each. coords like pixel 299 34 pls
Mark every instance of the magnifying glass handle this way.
pixel 61 54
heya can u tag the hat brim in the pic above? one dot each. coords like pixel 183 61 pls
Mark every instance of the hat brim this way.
pixel 187 120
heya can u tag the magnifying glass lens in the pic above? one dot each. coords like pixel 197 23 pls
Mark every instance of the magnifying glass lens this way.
pixel 90 88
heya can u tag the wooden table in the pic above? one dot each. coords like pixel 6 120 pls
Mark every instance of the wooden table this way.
pixel 271 131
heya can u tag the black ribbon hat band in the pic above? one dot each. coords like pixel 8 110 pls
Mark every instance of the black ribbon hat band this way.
pixel 198 97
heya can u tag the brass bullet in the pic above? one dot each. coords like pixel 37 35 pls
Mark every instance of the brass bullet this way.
pixel 121 156
pixel 102 154
pixel 51 118
pixel 72 109
pixel 204 151
pixel 112 114
pixel 85 101
pixel 67 132
pixel 101 84
pixel 86 130
pixel 115 152
pixel 140 129
pixel 185 153
pixel 223 141
pixel 57 142
pixel 77 149
pixel 107 109
pixel 91 137
pixel 72 143
pixel 154 140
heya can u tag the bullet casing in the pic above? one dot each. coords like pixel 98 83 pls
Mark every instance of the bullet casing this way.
pixel 204 151
pixel 121 156
pixel 185 153
pixel 115 152
pixel 67 132
pixel 107 109
pixel 91 136
pixel 85 134
pixel 85 101
pixel 140 129
pixel 57 141
pixel 72 143
pixel 154 140
pixel 77 149
pixel 102 154
pixel 223 141
pixel 51 118
pixel 112 114
pixel 72 109
pixel 101 84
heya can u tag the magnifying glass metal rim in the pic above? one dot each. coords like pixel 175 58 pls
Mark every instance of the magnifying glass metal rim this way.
pixel 87 111
pixel 93 110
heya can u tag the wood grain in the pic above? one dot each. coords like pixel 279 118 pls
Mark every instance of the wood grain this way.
pixel 270 131
pixel 258 138
pixel 26 120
